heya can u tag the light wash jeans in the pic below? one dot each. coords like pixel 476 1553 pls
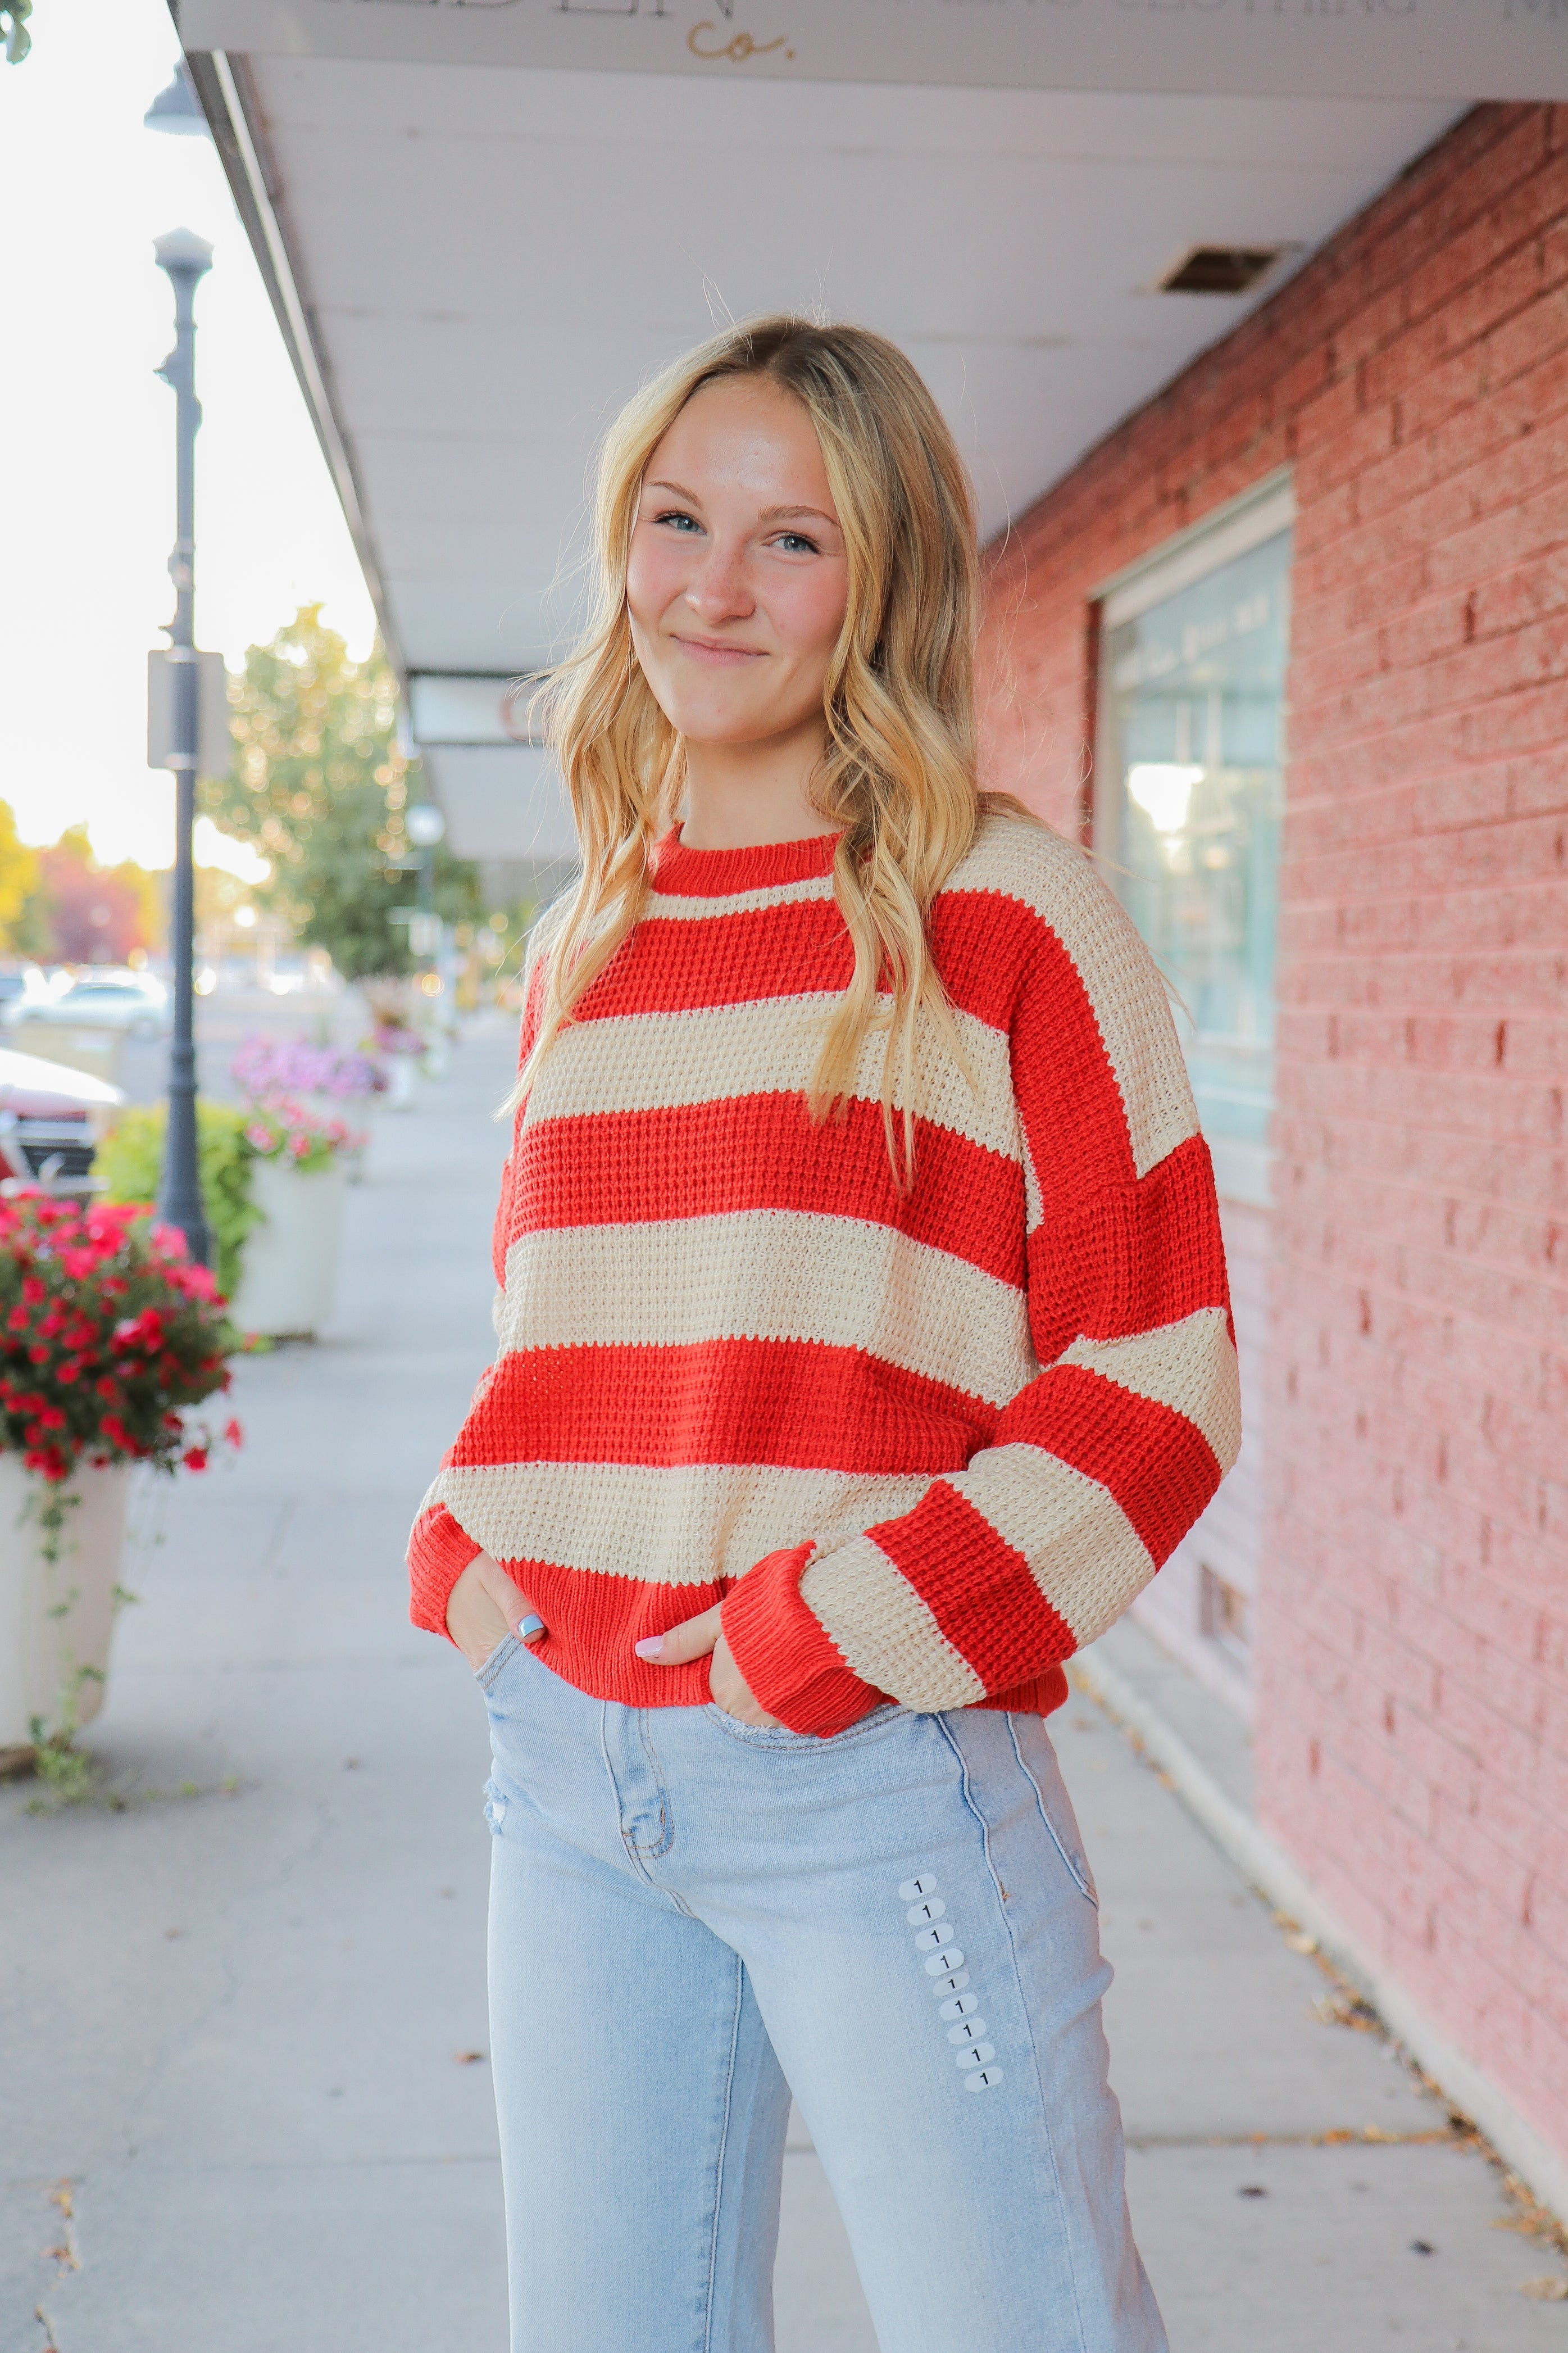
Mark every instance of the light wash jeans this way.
pixel 684 1912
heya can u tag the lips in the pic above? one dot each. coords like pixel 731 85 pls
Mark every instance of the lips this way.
pixel 718 651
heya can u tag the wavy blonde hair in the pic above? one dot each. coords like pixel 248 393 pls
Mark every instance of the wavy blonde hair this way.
pixel 897 775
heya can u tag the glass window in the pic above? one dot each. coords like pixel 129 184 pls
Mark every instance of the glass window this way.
pixel 1188 808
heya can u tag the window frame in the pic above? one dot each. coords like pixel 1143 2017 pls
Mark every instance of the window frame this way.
pixel 1242 1171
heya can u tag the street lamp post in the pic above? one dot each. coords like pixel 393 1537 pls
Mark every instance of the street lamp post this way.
pixel 425 826
pixel 184 258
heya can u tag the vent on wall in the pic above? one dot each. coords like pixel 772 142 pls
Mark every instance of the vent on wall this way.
pixel 1219 269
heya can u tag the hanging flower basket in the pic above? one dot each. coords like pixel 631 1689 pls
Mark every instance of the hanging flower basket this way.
pixel 109 1336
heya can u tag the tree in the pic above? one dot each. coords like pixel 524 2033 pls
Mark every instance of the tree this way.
pixel 319 787
pixel 21 932
pixel 82 913
pixel 14 15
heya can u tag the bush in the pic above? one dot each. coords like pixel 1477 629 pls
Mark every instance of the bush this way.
pixel 131 1163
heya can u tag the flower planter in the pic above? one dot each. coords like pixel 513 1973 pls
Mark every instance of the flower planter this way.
pixel 56 1616
pixel 290 1271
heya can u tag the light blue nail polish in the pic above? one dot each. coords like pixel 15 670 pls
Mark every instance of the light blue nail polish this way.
pixel 532 1628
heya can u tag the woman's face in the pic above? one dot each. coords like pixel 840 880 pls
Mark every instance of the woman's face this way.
pixel 738 580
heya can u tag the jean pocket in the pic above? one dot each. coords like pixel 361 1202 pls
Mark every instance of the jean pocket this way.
pixel 1056 1807
pixel 485 1675
pixel 780 1737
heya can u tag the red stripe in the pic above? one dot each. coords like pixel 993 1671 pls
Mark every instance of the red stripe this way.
pixel 765 1152
pixel 794 1402
pixel 1143 1253
pixel 1158 1465
pixel 1068 1097
pixel 977 1587
pixel 675 965
pixel 983 943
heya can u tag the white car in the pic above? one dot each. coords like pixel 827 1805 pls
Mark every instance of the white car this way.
pixel 110 998
pixel 49 1123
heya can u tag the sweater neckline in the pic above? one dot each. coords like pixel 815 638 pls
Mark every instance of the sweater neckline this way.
pixel 682 873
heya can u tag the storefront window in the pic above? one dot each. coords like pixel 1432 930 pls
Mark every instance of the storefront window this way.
pixel 1188 810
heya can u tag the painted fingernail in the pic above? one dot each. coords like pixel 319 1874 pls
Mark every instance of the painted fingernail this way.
pixel 652 1649
pixel 532 1628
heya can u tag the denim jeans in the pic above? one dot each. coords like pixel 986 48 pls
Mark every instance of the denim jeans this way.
pixel 689 1917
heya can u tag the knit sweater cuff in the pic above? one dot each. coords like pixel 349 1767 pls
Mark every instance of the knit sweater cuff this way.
pixel 791 1666
pixel 438 1553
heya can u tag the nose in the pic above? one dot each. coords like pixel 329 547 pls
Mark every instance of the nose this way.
pixel 720 590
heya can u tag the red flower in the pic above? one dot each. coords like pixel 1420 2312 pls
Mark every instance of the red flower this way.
pixel 33 1290
pixel 69 1371
pixel 18 1319
pixel 232 1432
pixel 195 1458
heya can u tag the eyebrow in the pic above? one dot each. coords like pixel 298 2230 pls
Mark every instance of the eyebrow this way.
pixel 769 514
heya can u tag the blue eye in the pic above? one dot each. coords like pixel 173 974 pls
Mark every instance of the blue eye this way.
pixel 795 543
pixel 684 522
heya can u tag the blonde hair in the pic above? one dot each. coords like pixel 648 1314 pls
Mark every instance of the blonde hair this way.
pixel 899 771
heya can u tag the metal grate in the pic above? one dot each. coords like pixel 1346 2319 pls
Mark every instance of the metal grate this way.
pixel 1219 269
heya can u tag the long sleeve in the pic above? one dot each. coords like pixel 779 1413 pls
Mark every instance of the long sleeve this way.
pixel 1104 1458
pixel 439 1548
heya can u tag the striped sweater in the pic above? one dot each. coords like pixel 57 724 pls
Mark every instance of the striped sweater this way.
pixel 922 1445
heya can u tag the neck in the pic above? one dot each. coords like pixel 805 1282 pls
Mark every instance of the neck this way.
pixel 744 795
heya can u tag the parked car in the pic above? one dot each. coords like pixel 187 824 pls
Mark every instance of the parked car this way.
pixel 136 1002
pixel 50 1121
pixel 22 986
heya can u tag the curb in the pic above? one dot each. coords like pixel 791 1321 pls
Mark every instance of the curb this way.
pixel 1267 1867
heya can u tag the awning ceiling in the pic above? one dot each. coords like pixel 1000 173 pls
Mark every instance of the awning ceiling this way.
pixel 476 263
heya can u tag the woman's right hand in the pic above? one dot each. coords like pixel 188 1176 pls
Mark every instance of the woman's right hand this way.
pixel 483 1608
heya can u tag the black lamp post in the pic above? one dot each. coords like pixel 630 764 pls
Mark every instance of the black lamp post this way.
pixel 185 257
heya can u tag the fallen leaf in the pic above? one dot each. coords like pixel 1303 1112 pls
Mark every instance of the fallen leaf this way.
pixel 1301 1942
pixel 467 2058
pixel 1551 2288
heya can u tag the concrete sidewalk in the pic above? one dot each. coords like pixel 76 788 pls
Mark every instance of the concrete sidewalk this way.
pixel 244 2098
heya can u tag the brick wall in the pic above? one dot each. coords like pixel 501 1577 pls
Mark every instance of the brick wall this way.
pixel 1411 1652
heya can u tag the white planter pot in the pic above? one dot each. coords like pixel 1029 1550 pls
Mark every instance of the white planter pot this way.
pixel 57 1617
pixel 356 1113
pixel 402 1070
pixel 289 1273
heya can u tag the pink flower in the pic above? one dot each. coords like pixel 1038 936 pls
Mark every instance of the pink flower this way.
pixel 232 1431
pixel 260 1138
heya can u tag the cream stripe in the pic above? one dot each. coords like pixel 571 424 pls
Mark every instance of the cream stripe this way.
pixel 770 1274
pixel 646 1061
pixel 686 1525
pixel 737 903
pixel 1056 880
pixel 887 1634
pixel 1083 1551
pixel 1189 1365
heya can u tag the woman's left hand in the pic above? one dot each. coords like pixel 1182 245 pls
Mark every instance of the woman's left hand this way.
pixel 697 1639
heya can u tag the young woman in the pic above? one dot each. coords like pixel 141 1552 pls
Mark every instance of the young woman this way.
pixel 864 1348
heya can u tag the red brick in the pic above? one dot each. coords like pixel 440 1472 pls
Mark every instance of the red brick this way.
pixel 1408 1356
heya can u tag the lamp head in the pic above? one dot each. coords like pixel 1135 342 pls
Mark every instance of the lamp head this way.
pixel 183 253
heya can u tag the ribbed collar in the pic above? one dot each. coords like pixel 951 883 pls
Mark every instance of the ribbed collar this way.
pixel 682 873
